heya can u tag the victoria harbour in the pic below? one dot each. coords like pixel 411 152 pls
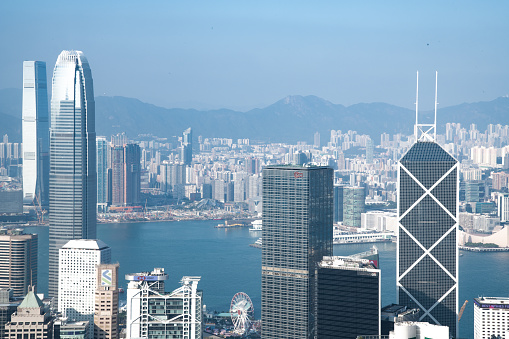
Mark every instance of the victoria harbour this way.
pixel 227 264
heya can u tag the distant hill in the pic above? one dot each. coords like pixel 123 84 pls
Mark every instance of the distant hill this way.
pixel 291 119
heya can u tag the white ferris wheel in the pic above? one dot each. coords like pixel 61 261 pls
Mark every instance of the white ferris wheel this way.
pixel 242 313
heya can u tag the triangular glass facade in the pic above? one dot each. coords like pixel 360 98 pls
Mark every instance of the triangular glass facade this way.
pixel 428 225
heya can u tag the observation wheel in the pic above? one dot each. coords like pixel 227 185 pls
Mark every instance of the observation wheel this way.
pixel 242 313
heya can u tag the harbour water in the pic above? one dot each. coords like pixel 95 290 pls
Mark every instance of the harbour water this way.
pixel 227 264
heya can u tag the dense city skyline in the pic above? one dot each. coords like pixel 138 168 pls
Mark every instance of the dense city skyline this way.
pixel 246 55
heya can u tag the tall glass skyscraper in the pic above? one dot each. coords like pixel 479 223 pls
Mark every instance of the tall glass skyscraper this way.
pixel 35 133
pixel 187 146
pixel 297 234
pixel 102 173
pixel 427 269
pixel 73 178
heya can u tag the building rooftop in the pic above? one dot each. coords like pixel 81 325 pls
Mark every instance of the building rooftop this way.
pixel 493 301
pixel 31 301
pixel 86 244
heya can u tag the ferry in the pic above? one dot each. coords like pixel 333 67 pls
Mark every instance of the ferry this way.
pixel 257 244
pixel 257 226
pixel 343 237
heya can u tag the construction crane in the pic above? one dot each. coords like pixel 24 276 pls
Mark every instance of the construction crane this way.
pixel 462 310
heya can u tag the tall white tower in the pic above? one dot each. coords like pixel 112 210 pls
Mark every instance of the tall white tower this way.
pixel 35 133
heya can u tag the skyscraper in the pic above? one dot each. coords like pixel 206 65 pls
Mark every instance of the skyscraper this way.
pixel 427 255
pixel 18 261
pixel 106 302
pixel 187 146
pixel 102 172
pixel 125 175
pixel 338 203
pixel 297 234
pixel 353 205
pixel 154 313
pixel 73 179
pixel 35 133
pixel 77 282
pixel 348 296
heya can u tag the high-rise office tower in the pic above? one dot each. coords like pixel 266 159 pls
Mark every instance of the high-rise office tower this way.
pixel 187 146
pixel 503 206
pixel 353 205
pixel 18 261
pixel 35 133
pixel 154 313
pixel 77 279
pixel 102 172
pixel 427 254
pixel 338 203
pixel 106 302
pixel 348 296
pixel 297 234
pixel 491 318
pixel 125 175
pixel 73 178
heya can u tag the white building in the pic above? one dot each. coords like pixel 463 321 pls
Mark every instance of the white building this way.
pixel 381 221
pixel 418 330
pixel 35 133
pixel 153 312
pixel 503 206
pixel 491 317
pixel 77 279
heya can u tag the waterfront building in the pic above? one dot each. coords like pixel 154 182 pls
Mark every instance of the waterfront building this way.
pixel 125 175
pixel 152 312
pixel 353 205
pixel 102 173
pixel 106 302
pixel 18 261
pixel 78 278
pixel 381 221
pixel 73 178
pixel 503 207
pixel 338 203
pixel 427 255
pixel 35 134
pixel 297 234
pixel 348 296
pixel 32 320
pixel 187 147
pixel 491 318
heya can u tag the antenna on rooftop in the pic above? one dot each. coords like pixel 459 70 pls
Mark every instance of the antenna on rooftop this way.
pixel 425 132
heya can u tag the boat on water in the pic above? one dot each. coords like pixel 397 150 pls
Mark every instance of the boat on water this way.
pixel 257 226
pixel 257 244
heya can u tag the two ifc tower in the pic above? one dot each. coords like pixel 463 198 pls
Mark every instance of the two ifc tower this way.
pixel 427 251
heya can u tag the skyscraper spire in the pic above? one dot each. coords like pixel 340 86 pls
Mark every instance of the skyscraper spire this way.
pixel 425 132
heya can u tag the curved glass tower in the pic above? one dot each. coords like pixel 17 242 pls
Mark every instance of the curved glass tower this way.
pixel 73 178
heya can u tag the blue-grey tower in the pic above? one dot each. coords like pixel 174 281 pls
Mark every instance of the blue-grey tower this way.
pixel 427 255
pixel 73 178
pixel 297 234
pixel 35 134
pixel 187 146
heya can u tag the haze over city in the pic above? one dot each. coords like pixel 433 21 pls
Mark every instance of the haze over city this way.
pixel 242 55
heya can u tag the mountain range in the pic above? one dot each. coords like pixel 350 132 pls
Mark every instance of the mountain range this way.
pixel 291 119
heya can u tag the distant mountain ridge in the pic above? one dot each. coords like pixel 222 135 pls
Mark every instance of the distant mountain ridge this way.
pixel 291 119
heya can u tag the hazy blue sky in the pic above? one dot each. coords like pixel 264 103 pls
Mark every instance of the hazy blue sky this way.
pixel 244 54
